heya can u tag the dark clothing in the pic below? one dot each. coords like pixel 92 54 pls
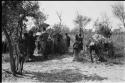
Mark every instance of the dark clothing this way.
pixel 76 49
pixel 79 42
pixel 44 37
pixel 31 45
pixel 49 46
pixel 80 39
pixel 77 38
pixel 23 45
pixel 32 42
pixel 67 41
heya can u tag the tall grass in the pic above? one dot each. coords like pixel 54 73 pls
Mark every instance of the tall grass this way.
pixel 118 40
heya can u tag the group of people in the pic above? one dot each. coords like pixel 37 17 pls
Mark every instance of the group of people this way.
pixel 43 43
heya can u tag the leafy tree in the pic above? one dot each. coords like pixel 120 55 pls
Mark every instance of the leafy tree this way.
pixel 118 10
pixel 103 26
pixel 61 29
pixel 104 30
pixel 81 21
pixel 14 14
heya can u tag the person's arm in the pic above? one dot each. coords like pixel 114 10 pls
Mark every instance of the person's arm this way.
pixel 69 38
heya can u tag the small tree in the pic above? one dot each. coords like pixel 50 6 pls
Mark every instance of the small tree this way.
pixel 104 30
pixel 81 21
pixel 118 10
pixel 14 13
pixel 103 26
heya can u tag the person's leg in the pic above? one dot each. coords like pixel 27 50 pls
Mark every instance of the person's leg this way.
pixel 31 52
pixel 28 54
pixel 90 52
pixel 78 54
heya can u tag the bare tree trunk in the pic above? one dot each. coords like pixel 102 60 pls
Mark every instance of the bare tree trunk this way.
pixel 12 61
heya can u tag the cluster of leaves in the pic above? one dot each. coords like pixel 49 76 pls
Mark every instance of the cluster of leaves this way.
pixel 103 26
pixel 14 14
pixel 104 30
pixel 81 21
pixel 62 29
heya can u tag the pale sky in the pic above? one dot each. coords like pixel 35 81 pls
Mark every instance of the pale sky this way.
pixel 69 9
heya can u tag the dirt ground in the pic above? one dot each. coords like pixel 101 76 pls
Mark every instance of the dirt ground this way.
pixel 66 70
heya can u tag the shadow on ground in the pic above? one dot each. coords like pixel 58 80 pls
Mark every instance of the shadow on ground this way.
pixel 68 75
pixel 50 57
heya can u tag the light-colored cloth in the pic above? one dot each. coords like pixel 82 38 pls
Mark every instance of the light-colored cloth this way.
pixel 98 37
pixel 92 43
pixel 38 33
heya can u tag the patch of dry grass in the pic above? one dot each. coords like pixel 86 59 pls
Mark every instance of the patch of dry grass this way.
pixel 5 58
pixel 119 43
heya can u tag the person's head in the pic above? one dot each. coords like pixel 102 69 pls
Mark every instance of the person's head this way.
pixel 44 29
pixel 80 35
pixel 66 34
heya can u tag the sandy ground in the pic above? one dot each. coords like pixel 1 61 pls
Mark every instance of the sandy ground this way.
pixel 66 70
